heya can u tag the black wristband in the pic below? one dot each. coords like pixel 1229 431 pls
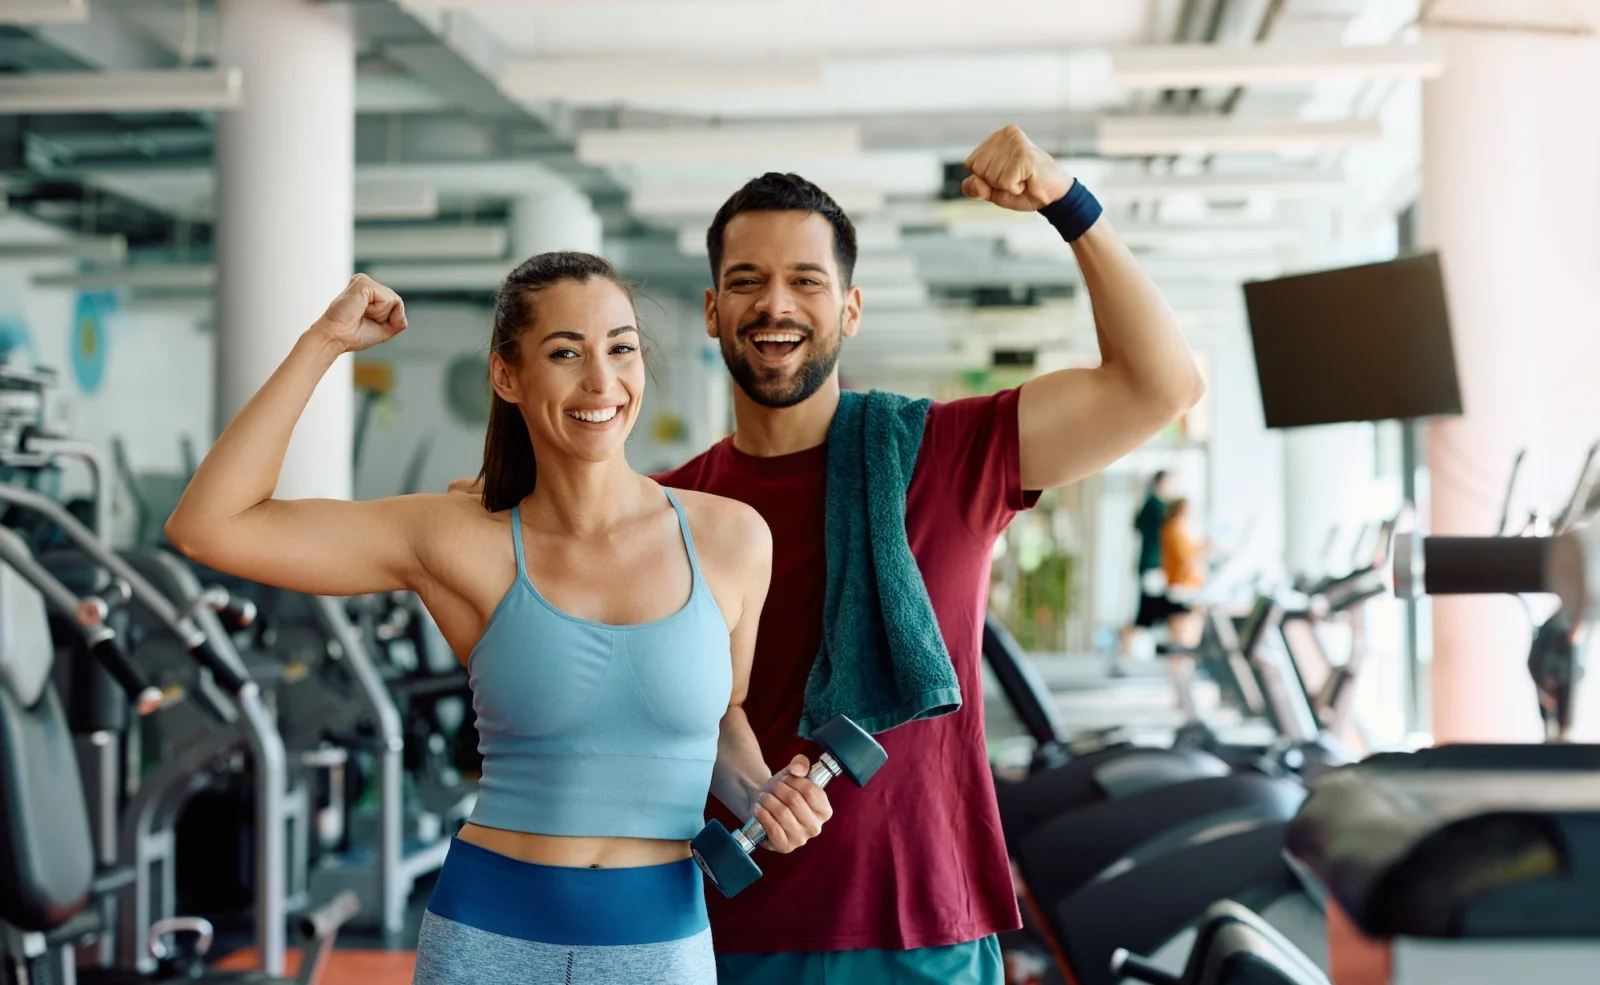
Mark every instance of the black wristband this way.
pixel 1076 211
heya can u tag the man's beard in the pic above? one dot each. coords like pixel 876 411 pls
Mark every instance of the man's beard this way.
pixel 769 386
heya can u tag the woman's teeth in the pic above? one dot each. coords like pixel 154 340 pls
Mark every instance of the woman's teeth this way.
pixel 594 416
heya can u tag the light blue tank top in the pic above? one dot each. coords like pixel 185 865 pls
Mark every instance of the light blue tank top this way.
pixel 589 729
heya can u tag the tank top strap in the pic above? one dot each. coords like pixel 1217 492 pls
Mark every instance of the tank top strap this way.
pixel 516 541
pixel 683 525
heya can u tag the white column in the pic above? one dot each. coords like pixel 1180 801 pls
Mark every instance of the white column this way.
pixel 285 171
pixel 554 219
pixel 1511 150
pixel 1328 473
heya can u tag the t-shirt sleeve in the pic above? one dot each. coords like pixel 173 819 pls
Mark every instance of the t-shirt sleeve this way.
pixel 974 443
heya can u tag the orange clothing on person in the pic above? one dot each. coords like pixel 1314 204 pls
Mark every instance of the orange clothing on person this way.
pixel 1180 556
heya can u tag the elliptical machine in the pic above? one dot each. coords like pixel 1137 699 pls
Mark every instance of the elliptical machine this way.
pixel 50 882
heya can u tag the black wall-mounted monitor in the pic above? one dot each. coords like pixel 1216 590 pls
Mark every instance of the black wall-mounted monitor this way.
pixel 1367 343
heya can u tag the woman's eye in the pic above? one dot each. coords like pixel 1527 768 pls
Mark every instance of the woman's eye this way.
pixel 564 354
pixel 624 348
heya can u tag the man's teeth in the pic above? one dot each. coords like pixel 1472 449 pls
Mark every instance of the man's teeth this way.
pixel 776 337
pixel 594 416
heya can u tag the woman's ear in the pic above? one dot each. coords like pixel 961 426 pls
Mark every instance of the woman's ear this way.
pixel 503 380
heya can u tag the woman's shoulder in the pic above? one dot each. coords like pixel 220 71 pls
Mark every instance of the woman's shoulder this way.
pixel 717 509
pixel 723 526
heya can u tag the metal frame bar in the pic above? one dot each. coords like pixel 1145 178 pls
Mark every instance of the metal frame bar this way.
pixel 265 744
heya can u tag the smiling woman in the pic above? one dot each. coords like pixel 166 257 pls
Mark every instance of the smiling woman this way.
pixel 608 707
pixel 550 355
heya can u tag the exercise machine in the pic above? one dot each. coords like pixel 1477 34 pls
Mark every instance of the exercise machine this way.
pixel 146 819
pixel 49 877
pixel 1233 946
pixel 1067 772
pixel 1486 847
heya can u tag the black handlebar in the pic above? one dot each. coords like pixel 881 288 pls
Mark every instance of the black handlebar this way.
pixel 1486 565
pixel 228 678
pixel 141 693
pixel 236 613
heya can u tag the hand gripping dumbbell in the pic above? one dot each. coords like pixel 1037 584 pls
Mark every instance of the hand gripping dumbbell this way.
pixel 725 858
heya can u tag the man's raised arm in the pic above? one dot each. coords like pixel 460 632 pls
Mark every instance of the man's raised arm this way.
pixel 1075 422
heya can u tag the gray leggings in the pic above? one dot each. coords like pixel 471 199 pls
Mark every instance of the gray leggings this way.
pixel 494 920
pixel 450 953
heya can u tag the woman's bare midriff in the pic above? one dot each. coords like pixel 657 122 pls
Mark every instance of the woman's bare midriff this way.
pixel 580 853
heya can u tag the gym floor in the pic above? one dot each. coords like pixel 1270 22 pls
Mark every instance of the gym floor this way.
pixel 360 957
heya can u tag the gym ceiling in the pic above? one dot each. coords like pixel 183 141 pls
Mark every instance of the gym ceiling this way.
pixel 1218 164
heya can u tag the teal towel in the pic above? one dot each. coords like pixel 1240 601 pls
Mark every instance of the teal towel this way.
pixel 883 660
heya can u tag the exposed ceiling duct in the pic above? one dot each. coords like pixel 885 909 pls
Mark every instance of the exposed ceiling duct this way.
pixel 717 145
pixel 43 11
pixel 1194 66
pixel 1142 136
pixel 601 79
pixel 1222 152
pixel 93 249
pixel 701 201
pixel 122 92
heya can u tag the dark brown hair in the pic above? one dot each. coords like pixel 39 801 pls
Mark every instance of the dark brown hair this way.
pixel 774 192
pixel 509 469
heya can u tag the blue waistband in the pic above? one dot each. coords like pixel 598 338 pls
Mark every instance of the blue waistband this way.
pixel 570 906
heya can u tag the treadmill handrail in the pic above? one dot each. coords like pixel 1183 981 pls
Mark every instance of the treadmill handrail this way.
pixel 1026 691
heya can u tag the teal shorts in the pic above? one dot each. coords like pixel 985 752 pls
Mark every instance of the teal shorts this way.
pixel 973 963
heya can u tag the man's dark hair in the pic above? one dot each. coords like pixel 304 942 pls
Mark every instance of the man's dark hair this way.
pixel 774 192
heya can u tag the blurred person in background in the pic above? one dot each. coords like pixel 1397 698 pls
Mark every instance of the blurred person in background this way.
pixel 1153 604
pixel 1183 559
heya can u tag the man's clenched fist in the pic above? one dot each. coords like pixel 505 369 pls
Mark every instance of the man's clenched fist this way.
pixel 1009 170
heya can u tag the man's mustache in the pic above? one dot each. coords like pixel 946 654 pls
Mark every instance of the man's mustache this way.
pixel 765 322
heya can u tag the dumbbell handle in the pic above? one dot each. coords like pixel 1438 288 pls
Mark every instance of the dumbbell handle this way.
pixel 753 833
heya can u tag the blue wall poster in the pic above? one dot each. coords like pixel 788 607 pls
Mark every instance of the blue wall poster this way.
pixel 89 337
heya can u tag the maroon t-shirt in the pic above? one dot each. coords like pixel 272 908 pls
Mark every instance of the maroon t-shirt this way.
pixel 916 858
